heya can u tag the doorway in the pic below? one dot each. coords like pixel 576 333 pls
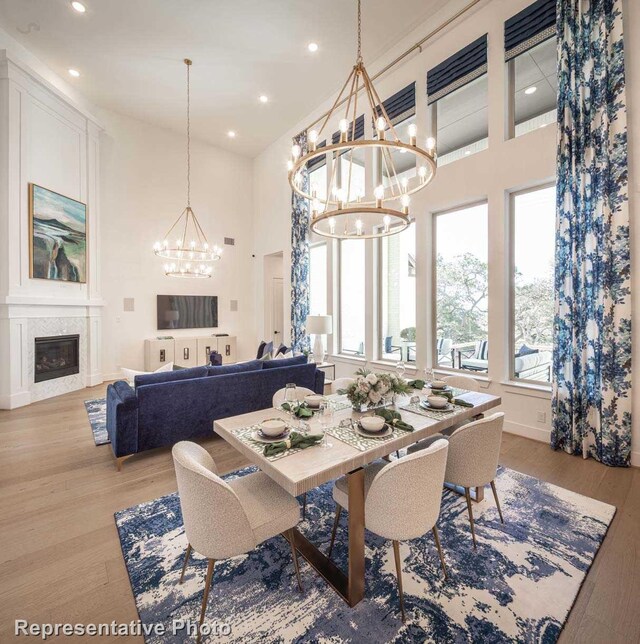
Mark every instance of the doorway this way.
pixel 273 299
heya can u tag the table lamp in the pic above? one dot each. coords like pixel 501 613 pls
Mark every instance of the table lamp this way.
pixel 318 325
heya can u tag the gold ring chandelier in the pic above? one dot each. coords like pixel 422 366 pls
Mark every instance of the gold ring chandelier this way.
pixel 347 213
pixel 185 244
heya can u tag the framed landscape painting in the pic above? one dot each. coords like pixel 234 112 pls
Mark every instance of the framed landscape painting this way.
pixel 58 244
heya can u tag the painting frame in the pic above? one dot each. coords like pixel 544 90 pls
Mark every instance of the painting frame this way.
pixel 74 268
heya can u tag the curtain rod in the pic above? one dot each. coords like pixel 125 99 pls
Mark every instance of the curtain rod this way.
pixel 402 56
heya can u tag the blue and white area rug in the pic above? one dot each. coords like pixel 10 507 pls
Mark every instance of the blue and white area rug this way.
pixel 97 412
pixel 519 585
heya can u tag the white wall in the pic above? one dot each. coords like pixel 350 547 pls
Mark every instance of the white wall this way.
pixel 143 188
pixel 506 165
pixel 47 140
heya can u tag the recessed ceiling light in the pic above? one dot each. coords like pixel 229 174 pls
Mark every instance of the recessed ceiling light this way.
pixel 312 47
pixel 74 72
pixel 78 6
pixel 530 90
pixel 264 98
pixel 231 134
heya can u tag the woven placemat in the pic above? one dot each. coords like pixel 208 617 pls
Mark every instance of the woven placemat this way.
pixel 415 408
pixel 245 435
pixel 351 437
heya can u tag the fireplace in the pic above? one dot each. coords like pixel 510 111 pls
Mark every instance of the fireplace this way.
pixel 56 357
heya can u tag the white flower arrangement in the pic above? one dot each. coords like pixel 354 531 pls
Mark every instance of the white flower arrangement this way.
pixel 369 389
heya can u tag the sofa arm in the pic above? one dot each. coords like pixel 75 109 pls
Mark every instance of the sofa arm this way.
pixel 122 418
pixel 319 384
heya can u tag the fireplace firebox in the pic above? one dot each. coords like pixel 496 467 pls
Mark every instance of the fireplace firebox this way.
pixel 56 357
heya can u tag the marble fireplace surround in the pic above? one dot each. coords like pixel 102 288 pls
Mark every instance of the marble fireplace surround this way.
pixel 23 324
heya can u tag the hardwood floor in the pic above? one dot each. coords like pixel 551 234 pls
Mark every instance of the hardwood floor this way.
pixel 60 559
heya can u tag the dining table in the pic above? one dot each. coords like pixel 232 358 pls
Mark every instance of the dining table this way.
pixel 300 471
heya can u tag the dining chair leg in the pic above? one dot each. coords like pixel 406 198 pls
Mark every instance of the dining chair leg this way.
pixel 467 494
pixel 187 554
pixel 207 585
pixel 436 538
pixel 396 552
pixel 289 535
pixel 304 506
pixel 398 453
pixel 495 496
pixel 335 527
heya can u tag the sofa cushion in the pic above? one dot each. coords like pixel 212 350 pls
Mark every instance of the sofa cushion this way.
pixel 170 376
pixel 531 360
pixel 240 367
pixel 285 362
pixel 525 350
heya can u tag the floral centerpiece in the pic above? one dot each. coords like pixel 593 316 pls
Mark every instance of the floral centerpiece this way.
pixel 370 389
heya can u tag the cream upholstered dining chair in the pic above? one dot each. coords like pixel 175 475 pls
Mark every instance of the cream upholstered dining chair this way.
pixel 225 519
pixel 340 383
pixel 402 500
pixel 462 382
pixel 474 450
pixel 301 393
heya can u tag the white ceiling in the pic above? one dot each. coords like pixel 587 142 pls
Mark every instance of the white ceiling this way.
pixel 130 53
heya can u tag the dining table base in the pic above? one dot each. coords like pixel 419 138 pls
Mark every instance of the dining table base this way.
pixel 349 586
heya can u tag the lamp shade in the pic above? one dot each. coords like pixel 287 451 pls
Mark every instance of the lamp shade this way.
pixel 319 324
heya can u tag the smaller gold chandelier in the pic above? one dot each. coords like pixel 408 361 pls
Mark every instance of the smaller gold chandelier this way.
pixel 185 243
pixel 348 213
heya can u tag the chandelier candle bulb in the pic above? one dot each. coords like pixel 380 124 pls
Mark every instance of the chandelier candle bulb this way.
pixel 289 165
pixel 413 132
pixel 431 144
pixel 359 226
pixel 313 140
pixel 405 201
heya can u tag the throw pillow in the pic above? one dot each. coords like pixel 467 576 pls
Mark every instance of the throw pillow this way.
pixel 525 350
pixel 130 374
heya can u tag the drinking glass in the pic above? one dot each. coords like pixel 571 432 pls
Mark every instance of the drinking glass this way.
pixel 291 397
pixel 428 375
pixel 325 416
pixel 400 368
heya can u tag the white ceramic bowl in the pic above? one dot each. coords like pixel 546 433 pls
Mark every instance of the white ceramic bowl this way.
pixel 438 384
pixel 313 400
pixel 273 427
pixel 437 402
pixel 372 423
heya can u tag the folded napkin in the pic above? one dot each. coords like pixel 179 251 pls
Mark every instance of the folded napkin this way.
pixel 394 419
pixel 301 411
pixel 301 441
pixel 449 396
pixel 416 384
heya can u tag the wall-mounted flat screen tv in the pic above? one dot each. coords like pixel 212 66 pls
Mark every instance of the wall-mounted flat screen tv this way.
pixel 187 311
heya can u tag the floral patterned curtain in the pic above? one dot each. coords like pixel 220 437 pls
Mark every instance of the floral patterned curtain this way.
pixel 300 259
pixel 592 328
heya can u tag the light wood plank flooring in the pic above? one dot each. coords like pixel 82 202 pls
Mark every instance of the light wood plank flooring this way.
pixel 60 558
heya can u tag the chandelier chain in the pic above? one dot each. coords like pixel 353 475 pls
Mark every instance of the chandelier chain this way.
pixel 359 33
pixel 188 64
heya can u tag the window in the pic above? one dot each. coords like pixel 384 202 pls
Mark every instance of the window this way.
pixel 318 279
pixel 533 233
pixel 403 162
pixel 535 87
pixel 462 121
pixel 352 296
pixel 352 163
pixel 398 296
pixel 461 285
pixel 318 184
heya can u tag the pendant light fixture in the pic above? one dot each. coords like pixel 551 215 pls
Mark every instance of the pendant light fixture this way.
pixel 346 213
pixel 185 244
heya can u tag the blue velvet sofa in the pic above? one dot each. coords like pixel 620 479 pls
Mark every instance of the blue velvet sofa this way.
pixel 164 408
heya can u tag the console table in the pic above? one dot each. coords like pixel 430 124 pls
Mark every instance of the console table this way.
pixel 187 351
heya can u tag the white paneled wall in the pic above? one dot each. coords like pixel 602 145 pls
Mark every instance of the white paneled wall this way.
pixel 47 140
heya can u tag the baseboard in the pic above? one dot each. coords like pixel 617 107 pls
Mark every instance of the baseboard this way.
pixel 94 379
pixel 13 401
pixel 535 433
pixel 635 459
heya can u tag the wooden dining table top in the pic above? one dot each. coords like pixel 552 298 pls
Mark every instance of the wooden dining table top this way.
pixel 309 468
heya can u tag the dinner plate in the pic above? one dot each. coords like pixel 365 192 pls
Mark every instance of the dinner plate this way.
pixel 387 431
pixel 425 405
pixel 257 436
pixel 445 388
